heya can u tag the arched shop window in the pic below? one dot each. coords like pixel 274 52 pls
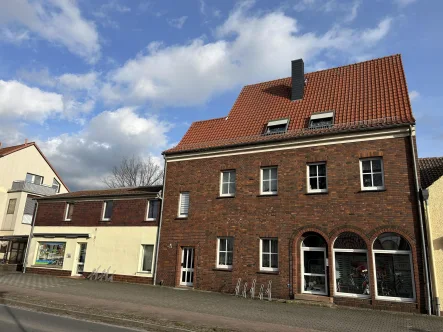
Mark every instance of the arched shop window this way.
pixel 393 268
pixel 351 266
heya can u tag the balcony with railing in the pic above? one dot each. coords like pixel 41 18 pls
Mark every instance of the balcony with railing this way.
pixel 33 188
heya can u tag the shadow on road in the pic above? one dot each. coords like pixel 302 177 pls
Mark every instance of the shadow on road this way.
pixel 17 322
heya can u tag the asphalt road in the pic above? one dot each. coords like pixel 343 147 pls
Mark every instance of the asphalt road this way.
pixel 19 320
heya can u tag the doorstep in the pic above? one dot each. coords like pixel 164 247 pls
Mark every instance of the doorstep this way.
pixel 317 300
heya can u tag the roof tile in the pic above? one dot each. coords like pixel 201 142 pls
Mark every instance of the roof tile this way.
pixel 431 169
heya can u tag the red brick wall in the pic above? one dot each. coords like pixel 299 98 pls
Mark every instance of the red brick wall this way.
pixel 248 216
pixel 126 212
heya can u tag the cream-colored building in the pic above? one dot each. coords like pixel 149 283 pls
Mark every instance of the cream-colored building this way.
pixel 25 174
pixel 431 174
pixel 112 232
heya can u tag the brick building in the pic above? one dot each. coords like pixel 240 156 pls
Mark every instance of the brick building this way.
pixel 308 183
pixel 112 230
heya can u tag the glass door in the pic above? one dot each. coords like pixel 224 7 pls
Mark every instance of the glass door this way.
pixel 187 267
pixel 313 268
pixel 81 259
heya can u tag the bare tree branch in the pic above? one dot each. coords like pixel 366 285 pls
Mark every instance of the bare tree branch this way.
pixel 135 172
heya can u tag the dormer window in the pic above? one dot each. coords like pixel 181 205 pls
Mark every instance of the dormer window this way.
pixel 321 120
pixel 277 127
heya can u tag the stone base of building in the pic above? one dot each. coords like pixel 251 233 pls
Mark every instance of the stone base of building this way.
pixel 67 273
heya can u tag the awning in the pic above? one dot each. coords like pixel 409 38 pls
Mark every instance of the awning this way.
pixel 65 235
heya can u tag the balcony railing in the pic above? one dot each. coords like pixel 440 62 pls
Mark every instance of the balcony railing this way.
pixel 32 188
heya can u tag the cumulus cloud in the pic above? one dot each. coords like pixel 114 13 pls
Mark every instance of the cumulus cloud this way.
pixel 20 101
pixel 248 48
pixel 14 36
pixel 177 22
pixel 107 138
pixel 58 21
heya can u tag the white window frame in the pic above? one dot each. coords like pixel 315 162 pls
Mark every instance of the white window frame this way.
pixel 393 252
pixel 67 211
pixel 180 215
pixel 147 210
pixel 264 268
pixel 234 182
pixel 373 188
pixel 142 256
pixel 58 185
pixel 224 266
pixel 261 181
pixel 365 251
pixel 275 123
pixel 308 177
pixel 104 210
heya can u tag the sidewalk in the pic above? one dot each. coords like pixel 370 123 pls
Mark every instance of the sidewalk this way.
pixel 196 310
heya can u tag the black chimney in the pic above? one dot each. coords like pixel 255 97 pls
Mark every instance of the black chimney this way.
pixel 298 79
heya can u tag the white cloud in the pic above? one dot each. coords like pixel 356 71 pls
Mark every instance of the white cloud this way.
pixel 106 10
pixel 177 22
pixel 404 3
pixel 248 48
pixel 352 15
pixel 13 36
pixel 20 101
pixel 413 95
pixel 78 81
pixel 105 140
pixel 58 21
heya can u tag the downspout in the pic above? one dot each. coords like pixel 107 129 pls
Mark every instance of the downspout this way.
pixel 160 224
pixel 431 252
pixel 420 216
pixel 25 261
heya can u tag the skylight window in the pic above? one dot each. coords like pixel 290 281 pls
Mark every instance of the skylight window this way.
pixel 277 127
pixel 321 120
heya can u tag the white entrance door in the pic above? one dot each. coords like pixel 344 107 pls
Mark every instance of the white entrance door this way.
pixel 313 269
pixel 81 259
pixel 187 267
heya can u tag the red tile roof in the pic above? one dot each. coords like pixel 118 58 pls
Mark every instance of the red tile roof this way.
pixel 431 169
pixel 128 191
pixel 367 94
pixel 15 148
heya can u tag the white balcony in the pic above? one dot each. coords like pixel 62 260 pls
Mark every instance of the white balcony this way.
pixel 33 188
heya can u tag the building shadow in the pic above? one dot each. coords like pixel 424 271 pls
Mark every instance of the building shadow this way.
pixel 11 313
pixel 281 90
pixel 438 243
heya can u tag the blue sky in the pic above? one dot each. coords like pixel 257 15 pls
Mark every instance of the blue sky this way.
pixel 94 81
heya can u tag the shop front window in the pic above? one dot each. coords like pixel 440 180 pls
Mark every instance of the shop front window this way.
pixel 50 254
pixel 351 266
pixel 393 264
pixel 314 255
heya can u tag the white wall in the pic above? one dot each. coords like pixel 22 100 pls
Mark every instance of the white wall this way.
pixel 119 248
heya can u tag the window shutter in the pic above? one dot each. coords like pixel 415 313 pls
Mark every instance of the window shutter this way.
pixel 184 204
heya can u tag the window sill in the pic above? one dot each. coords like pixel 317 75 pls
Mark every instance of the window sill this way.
pixel 150 220
pixel 221 197
pixel 222 269
pixel 47 267
pixel 145 273
pixel 371 190
pixel 105 221
pixel 268 272
pixel 181 218
pixel 317 193
pixel 267 195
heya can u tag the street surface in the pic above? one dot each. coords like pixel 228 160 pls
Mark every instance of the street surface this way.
pixel 156 308
pixel 19 320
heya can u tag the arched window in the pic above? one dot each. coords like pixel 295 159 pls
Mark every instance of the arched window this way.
pixel 393 268
pixel 313 268
pixel 351 266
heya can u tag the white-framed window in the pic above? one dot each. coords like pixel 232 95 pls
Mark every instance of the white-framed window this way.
pixel 268 180
pixel 351 273
pixel 393 273
pixel 321 120
pixel 153 209
pixel 227 183
pixel 371 173
pixel 147 258
pixel 11 206
pixel 33 178
pixel 277 126
pixel 269 254
pixel 183 205
pixel 107 210
pixel 69 211
pixel 317 178
pixel 56 185
pixel 225 251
